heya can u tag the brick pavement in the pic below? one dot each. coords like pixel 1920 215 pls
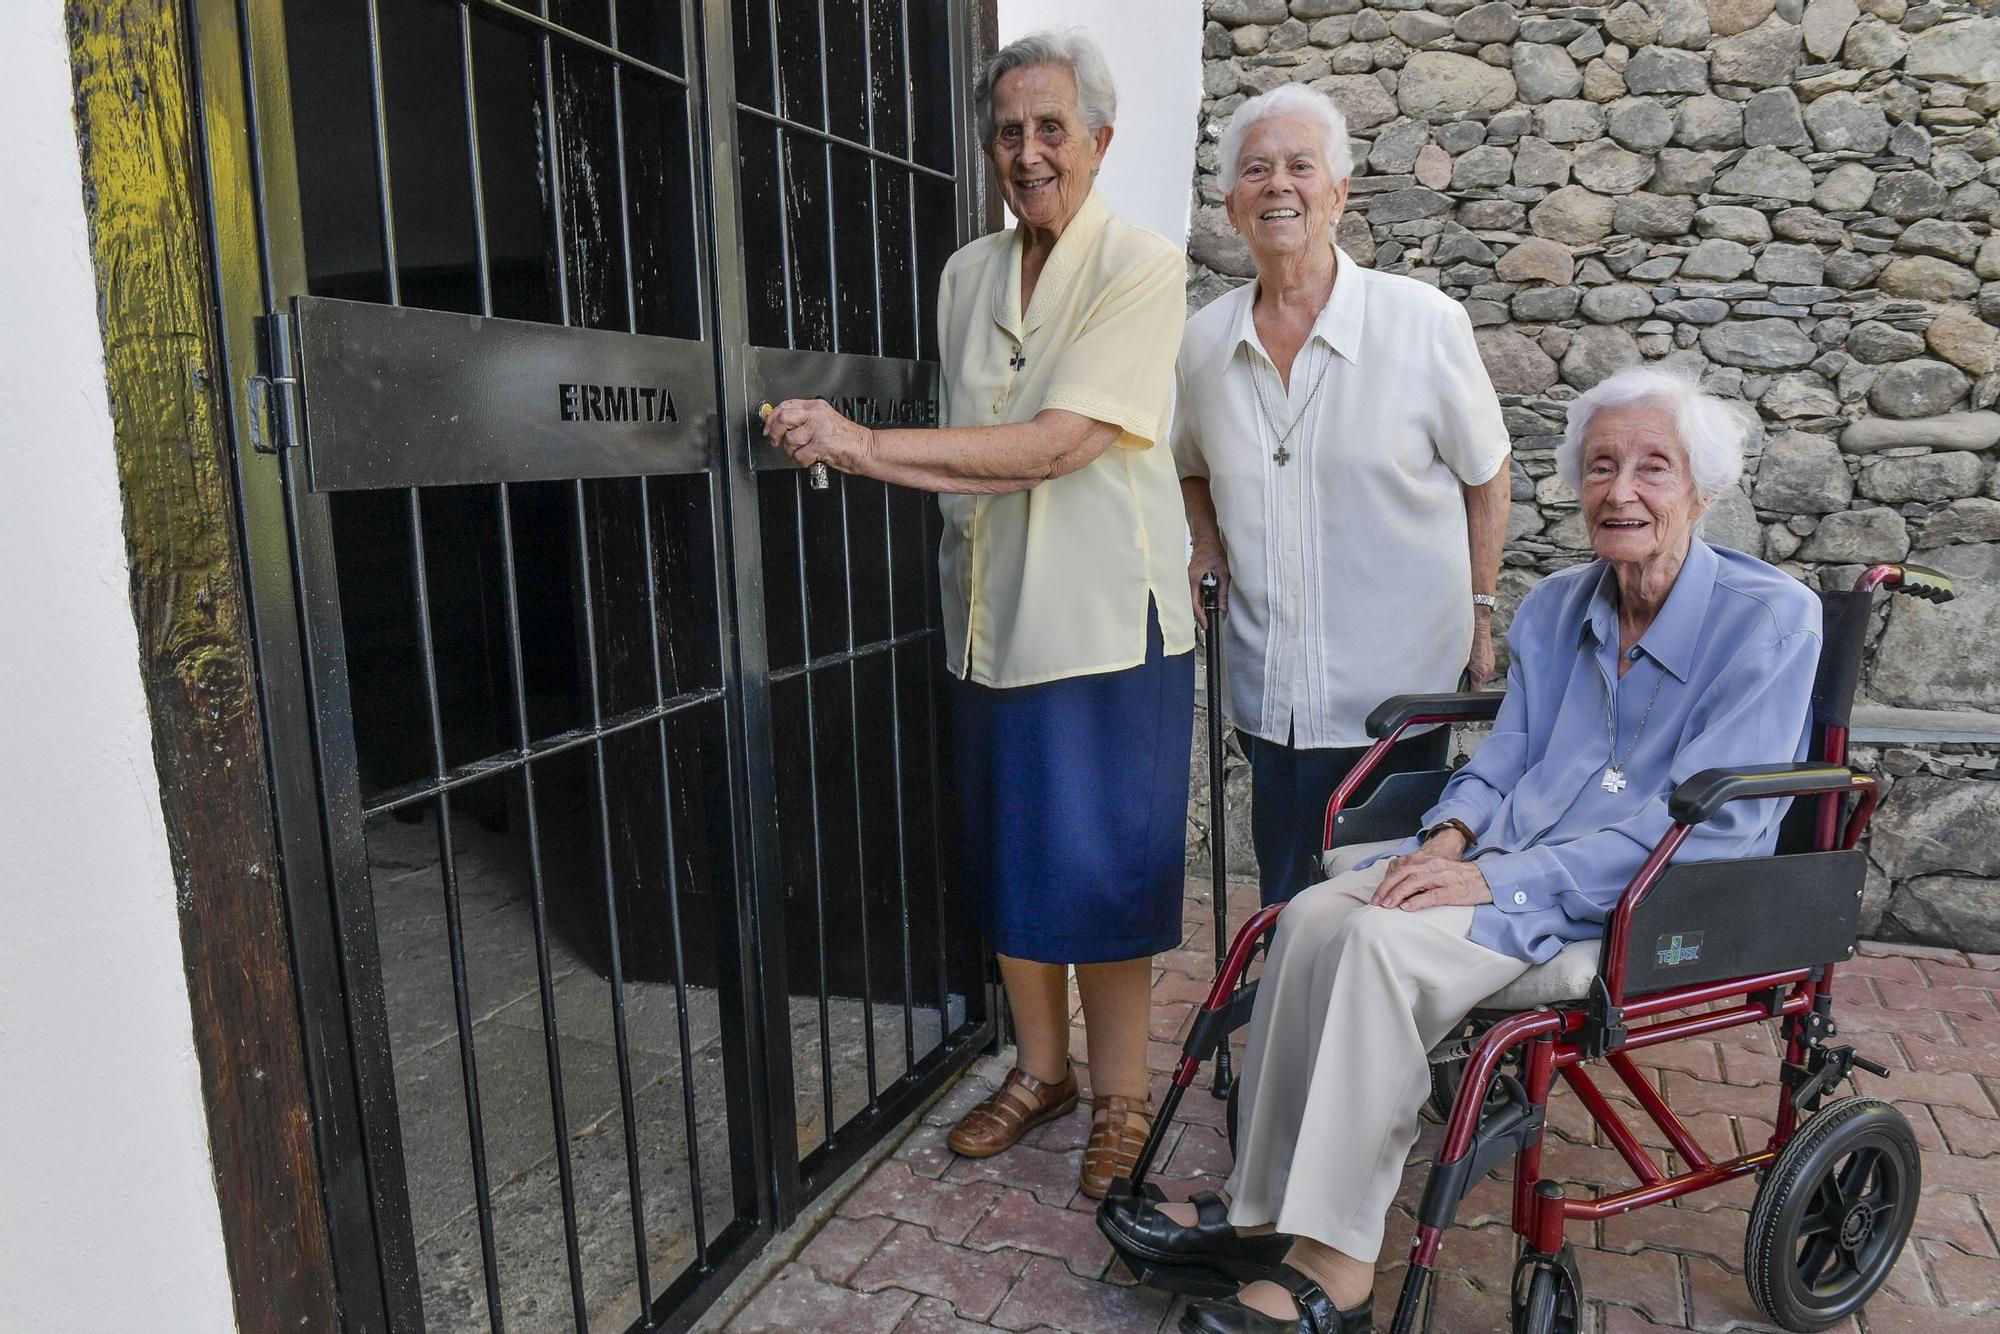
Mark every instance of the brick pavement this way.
pixel 930 1243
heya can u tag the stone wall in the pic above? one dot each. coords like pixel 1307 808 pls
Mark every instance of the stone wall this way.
pixel 1799 198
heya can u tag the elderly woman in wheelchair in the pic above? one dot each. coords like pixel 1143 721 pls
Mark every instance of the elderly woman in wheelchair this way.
pixel 1663 660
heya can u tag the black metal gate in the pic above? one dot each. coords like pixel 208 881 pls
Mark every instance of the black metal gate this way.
pixel 607 751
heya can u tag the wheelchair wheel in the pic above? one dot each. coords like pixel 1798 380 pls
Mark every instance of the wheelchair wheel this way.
pixel 1832 1214
pixel 1446 1076
pixel 1230 1109
pixel 1548 1294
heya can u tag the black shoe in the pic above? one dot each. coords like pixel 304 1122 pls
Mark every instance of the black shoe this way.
pixel 1317 1313
pixel 1145 1237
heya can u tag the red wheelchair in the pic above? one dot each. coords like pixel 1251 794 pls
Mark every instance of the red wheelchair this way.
pixel 1691 949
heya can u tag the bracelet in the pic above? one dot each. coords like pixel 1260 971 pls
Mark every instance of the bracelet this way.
pixel 1486 600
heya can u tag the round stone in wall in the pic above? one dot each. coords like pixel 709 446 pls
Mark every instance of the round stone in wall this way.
pixel 1768 344
pixel 1768 173
pixel 1919 387
pixel 1608 169
pixel 1442 85
pixel 1596 353
pixel 1572 215
pixel 1514 363
pixel 1802 474
pixel 1840 122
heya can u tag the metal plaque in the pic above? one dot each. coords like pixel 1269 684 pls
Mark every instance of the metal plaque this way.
pixel 875 391
pixel 399 397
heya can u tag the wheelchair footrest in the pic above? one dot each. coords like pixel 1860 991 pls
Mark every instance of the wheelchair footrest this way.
pixel 1507 1125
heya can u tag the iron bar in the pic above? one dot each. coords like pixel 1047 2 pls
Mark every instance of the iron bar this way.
pixel 540 22
pixel 482 1192
pixel 896 777
pixel 855 654
pixel 818 850
pixel 826 153
pixel 486 767
pixel 379 114
pixel 779 185
pixel 621 1039
pixel 860 817
pixel 537 885
pixel 832 140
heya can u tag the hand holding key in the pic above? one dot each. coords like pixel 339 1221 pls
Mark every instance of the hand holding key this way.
pixel 817 437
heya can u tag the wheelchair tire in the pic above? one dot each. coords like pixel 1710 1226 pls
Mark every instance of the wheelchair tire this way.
pixel 1833 1214
pixel 1446 1076
pixel 1548 1296
pixel 1230 1109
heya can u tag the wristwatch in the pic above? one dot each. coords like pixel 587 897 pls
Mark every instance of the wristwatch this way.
pixel 1486 600
pixel 1427 835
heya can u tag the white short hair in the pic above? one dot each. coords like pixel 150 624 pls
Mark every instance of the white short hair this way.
pixel 1710 430
pixel 1074 50
pixel 1289 99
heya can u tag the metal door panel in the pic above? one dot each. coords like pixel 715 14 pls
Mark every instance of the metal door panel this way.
pixel 397 396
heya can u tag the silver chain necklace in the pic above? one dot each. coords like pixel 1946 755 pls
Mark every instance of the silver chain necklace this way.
pixel 1614 776
pixel 1281 456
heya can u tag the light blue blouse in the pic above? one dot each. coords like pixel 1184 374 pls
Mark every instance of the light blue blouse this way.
pixel 1730 657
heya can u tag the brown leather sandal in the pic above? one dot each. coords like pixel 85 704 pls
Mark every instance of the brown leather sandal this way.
pixel 1118 1130
pixel 1021 1103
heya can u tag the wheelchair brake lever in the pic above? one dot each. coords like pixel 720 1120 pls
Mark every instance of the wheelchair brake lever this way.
pixel 1874 1068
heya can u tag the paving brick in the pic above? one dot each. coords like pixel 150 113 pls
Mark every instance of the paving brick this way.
pixel 931 1316
pixel 1048 1294
pixel 1955 1219
pixel 1201 1151
pixel 925 1152
pixel 1976 1001
pixel 948 1209
pixel 1897 966
pixel 1023 1223
pixel 1649 1280
pixel 1717 1234
pixel 972 1281
pixel 842 1244
pixel 797 1300
pixel 1965 1283
pixel 1052 1176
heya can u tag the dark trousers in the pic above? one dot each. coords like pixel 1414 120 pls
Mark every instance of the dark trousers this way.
pixel 1289 790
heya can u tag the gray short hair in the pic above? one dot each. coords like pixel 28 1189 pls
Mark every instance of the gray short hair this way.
pixel 1074 50
pixel 1710 430
pixel 1289 99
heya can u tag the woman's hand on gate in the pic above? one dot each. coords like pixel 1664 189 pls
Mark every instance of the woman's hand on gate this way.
pixel 1432 882
pixel 810 431
pixel 1207 560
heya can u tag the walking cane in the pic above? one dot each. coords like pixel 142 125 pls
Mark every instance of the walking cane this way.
pixel 1211 606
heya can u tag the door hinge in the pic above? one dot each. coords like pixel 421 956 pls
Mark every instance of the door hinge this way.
pixel 274 391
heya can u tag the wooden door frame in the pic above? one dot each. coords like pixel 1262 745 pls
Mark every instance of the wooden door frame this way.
pixel 144 198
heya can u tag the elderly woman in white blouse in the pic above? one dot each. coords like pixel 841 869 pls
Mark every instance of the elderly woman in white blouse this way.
pixel 1344 469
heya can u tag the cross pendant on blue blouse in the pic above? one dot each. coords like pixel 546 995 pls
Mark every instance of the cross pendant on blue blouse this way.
pixel 1017 361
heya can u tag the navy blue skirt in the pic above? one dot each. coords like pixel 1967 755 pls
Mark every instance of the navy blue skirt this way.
pixel 1072 801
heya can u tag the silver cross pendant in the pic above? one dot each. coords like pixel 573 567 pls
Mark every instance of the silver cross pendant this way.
pixel 1282 457
pixel 1614 780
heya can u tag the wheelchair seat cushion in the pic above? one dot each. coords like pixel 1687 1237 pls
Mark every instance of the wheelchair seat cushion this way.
pixel 1566 977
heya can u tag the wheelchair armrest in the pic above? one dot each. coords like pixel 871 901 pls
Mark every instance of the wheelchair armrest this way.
pixel 1699 797
pixel 1457 707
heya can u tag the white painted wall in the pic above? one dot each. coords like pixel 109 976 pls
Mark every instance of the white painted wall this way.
pixel 1154 50
pixel 108 1216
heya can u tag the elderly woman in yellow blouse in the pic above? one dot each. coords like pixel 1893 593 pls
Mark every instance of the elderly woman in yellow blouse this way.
pixel 1065 621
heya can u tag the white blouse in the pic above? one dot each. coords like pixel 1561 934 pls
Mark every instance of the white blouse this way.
pixel 1351 578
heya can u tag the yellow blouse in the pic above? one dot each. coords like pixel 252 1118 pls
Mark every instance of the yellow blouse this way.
pixel 1053 581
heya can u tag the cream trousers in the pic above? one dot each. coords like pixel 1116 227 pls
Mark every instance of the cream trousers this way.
pixel 1353 998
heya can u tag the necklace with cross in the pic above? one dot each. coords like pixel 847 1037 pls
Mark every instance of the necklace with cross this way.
pixel 1017 361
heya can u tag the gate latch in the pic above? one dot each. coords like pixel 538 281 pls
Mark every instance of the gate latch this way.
pixel 274 391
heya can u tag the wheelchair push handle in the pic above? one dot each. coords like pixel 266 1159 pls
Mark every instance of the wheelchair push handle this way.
pixel 1915 580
